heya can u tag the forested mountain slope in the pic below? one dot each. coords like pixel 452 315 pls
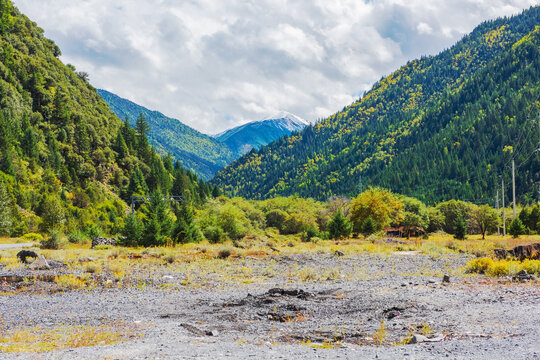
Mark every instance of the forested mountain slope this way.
pixel 66 161
pixel 198 152
pixel 434 129
pixel 255 134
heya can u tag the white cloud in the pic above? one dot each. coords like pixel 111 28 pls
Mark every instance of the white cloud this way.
pixel 215 64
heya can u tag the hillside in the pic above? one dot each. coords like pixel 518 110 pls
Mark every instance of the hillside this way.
pixel 66 161
pixel 253 135
pixel 195 151
pixel 434 129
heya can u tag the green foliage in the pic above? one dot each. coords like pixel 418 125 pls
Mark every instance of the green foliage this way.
pixel 52 213
pixel 214 234
pixel 131 234
pixel 485 218
pixel 339 227
pixel 434 129
pixel 158 221
pixel 451 211
pixel 52 242
pixel 375 208
pixel 77 237
pixel 6 217
pixel 460 228
pixel 185 230
pixel 517 228
pixel 65 159
pixel 276 218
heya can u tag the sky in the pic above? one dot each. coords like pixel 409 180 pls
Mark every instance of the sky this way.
pixel 216 64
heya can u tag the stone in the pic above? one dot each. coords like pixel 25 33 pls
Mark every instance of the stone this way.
pixel 521 252
pixel 103 241
pixel 23 254
pixel 417 339
pixel 40 264
pixel 446 279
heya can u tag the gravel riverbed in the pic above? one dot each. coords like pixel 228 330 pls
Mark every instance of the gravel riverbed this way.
pixel 394 297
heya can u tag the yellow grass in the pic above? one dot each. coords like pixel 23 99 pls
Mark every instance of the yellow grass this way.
pixel 43 339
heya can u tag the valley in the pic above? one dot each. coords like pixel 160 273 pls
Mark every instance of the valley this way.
pixel 406 225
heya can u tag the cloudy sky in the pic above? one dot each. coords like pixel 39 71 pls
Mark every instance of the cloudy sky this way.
pixel 215 64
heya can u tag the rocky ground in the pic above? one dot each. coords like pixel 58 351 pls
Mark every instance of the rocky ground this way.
pixel 394 299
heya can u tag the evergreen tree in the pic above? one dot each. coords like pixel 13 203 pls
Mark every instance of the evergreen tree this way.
pixel 517 228
pixel 142 128
pixel 460 228
pixel 131 232
pixel 185 230
pixel 158 224
pixel 339 226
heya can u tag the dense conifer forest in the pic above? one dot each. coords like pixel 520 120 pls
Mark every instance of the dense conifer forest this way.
pixel 66 161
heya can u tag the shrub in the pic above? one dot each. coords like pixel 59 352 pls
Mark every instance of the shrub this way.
pixel 32 237
pixel 94 231
pixel 309 233
pixel 214 234
pixel 478 265
pixel 52 242
pixel 77 237
pixel 224 252
pixel 276 218
pixel 132 232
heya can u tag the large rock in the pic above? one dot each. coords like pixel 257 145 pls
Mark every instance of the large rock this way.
pixel 24 254
pixel 521 252
pixel 103 241
pixel 40 264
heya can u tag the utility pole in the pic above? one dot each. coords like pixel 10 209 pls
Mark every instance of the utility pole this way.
pixel 504 212
pixel 514 186
pixel 497 201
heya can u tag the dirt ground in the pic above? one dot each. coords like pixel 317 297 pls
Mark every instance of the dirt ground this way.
pixel 369 306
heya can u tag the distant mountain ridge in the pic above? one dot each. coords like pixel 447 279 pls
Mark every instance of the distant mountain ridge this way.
pixel 255 134
pixel 195 151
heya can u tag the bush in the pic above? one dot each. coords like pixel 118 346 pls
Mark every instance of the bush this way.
pixel 94 231
pixel 296 223
pixel 309 233
pixel 276 218
pixel 77 237
pixel 32 237
pixel 214 234
pixel 52 242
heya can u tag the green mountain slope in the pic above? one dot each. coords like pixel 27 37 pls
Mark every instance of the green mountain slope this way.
pixel 434 129
pixel 195 151
pixel 66 161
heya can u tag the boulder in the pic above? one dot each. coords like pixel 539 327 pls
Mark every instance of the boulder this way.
pixel 40 264
pixel 103 241
pixel 23 254
pixel 521 252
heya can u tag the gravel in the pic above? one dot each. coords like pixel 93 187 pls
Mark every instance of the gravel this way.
pixel 283 318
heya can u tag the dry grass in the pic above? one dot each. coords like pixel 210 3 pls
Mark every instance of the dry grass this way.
pixel 206 264
pixel 42 339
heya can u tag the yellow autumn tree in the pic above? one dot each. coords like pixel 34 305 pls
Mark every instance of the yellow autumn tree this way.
pixel 374 209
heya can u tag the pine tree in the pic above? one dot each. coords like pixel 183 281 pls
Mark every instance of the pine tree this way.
pixel 517 228
pixel 158 224
pixel 460 228
pixel 339 226
pixel 131 232
pixel 185 230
